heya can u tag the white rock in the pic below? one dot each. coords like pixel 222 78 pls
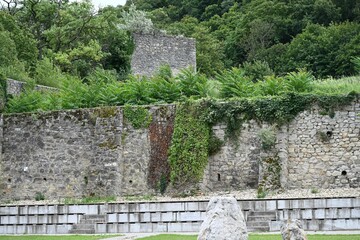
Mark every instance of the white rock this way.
pixel 292 230
pixel 224 221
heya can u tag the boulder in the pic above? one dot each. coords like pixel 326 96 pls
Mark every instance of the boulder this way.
pixel 292 230
pixel 224 221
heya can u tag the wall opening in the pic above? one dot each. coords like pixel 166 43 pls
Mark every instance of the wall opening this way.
pixel 344 173
pixel 329 134
pixel 219 177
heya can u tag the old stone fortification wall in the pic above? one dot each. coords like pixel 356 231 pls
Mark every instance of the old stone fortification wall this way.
pixel 15 87
pixel 153 51
pixel 98 152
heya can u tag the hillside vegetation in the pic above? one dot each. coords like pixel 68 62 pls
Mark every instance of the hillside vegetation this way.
pixel 245 48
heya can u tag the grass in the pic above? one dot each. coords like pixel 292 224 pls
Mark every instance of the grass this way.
pixel 59 237
pixel 256 237
pixel 337 86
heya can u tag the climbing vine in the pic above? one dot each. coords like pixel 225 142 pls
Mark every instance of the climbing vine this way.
pixel 188 154
pixel 139 117
pixel 274 110
pixel 3 93
pixel 193 140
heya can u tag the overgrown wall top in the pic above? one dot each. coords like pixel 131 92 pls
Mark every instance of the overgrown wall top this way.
pixel 153 51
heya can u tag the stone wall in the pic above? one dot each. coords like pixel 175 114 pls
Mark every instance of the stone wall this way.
pixel 74 154
pixel 323 151
pixel 15 87
pixel 153 51
pixel 97 152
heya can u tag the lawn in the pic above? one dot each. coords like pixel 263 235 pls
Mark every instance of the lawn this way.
pixel 58 237
pixel 256 237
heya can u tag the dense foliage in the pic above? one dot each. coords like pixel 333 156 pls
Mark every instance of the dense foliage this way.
pixel 320 35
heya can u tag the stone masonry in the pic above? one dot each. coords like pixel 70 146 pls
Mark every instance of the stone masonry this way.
pixel 153 51
pixel 96 151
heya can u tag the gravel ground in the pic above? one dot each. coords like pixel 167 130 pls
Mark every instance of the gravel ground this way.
pixel 244 194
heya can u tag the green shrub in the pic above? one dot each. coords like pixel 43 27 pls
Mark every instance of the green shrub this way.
pixel 46 73
pixel 272 86
pixel 234 83
pixel 300 81
pixel 39 196
pixel 267 137
pixel 257 70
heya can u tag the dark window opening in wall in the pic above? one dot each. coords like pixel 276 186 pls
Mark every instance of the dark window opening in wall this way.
pixel 329 134
pixel 44 179
pixel 344 173
pixel 219 177
pixel 130 181
pixel 9 180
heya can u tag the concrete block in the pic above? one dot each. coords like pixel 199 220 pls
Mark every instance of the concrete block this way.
pixel 22 219
pixel 338 203
pixel 343 213
pixel 190 227
pixel 282 204
pixel 42 209
pixel 11 230
pixel 112 228
pixel 51 229
pixel 346 224
pixel 270 205
pixel 244 205
pixel 319 203
pixel 259 205
pixel 145 217
pixel 168 216
pixel 319 213
pixel 311 225
pixel 326 225
pixel 73 219
pixel 146 227
pixel 43 219
pixel 123 217
pixel 134 217
pixel 355 213
pixel 63 229
pixel 160 227
pixel 101 228
pixel 144 207
pixel 19 229
pixel 3 230
pixel 174 227
pixel 275 226
pixel 189 216
pixel 112 217
pixel 156 217
pixel 123 228
pixel 306 214
pixel 134 227
pixel 11 210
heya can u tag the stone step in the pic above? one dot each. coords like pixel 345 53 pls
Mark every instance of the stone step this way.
pixel 260 218
pixel 257 224
pixel 262 213
pixel 82 231
pixel 83 226
pixel 92 221
pixel 258 229
pixel 94 216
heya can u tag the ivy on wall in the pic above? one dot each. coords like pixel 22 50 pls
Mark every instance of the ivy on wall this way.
pixel 3 93
pixel 193 140
pixel 188 154
pixel 139 117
